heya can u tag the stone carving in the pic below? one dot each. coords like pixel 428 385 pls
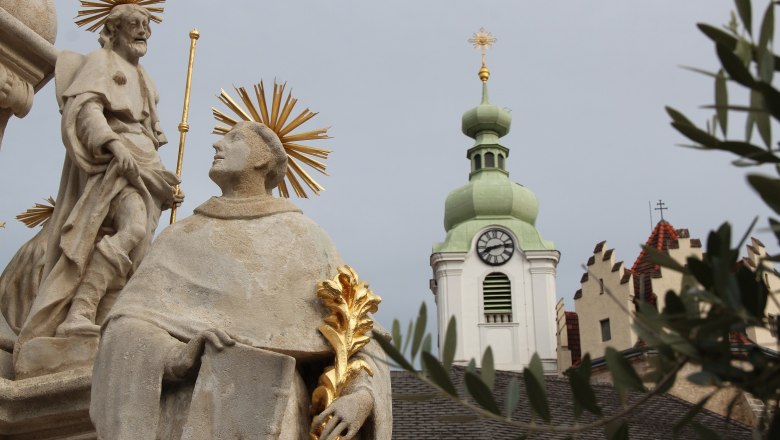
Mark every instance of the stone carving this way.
pixel 27 55
pixel 112 191
pixel 216 335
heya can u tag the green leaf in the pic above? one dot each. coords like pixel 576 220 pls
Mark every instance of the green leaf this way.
pixel 703 378
pixel 722 101
pixel 450 343
pixel 718 36
pixel 674 305
pixel 582 392
pixel 774 427
pixel 663 259
pixel 690 414
pixel 697 135
pixel 774 225
pixel 767 33
pixel 748 151
pixel 408 338
pixel 745 14
pixel 426 344
pixel 771 98
pixel 753 292
pixel 761 119
pixel 512 397
pixel 481 393
pixel 396 334
pixel 536 368
pixel 617 430
pixel 472 366
pixel 623 374
pixel 768 188
pixel 419 330
pixel 393 352
pixel 536 395
pixel 766 65
pixel 437 374
pixel 734 66
pixel 701 71
pixel 488 368
pixel 678 117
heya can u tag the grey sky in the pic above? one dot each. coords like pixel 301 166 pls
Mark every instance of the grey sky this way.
pixel 586 81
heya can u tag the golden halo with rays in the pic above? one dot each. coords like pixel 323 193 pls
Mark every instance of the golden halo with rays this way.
pixel 38 214
pixel 276 118
pixel 97 10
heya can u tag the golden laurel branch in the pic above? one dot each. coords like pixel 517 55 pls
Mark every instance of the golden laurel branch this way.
pixel 347 329
pixel 38 214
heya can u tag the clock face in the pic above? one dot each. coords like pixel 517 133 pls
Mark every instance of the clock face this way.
pixel 495 247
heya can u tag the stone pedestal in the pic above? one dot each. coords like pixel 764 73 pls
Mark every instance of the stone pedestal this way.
pixel 50 407
pixel 27 54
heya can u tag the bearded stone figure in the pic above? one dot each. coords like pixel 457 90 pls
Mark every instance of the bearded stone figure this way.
pixel 216 336
pixel 112 191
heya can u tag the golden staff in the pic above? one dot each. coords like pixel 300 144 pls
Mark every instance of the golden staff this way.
pixel 184 127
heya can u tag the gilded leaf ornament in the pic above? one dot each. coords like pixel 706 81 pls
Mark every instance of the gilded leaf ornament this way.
pixel 94 12
pixel 38 214
pixel 347 329
pixel 277 118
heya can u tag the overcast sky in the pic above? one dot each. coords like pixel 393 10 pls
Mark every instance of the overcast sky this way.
pixel 586 81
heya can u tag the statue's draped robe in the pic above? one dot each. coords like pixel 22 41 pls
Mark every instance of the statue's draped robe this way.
pixel 246 267
pixel 102 98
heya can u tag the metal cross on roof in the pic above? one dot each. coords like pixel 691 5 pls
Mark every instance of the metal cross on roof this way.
pixel 661 207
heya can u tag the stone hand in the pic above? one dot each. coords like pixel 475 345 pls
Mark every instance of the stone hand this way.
pixel 183 358
pixel 178 198
pixel 127 164
pixel 348 414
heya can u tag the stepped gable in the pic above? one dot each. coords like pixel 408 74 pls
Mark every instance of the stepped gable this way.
pixel 663 238
pixel 432 419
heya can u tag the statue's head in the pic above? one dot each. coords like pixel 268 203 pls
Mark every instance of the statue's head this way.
pixel 126 30
pixel 250 155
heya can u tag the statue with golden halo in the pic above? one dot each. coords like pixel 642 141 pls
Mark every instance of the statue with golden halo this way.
pixel 223 314
pixel 111 194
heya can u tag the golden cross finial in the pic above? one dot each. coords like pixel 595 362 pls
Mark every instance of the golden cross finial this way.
pixel 483 40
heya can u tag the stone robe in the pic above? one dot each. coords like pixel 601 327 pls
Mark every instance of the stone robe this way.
pixel 102 98
pixel 250 269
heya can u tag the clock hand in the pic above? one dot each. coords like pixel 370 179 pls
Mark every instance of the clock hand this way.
pixel 495 246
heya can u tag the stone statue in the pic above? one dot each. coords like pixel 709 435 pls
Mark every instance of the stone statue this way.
pixel 112 190
pixel 215 336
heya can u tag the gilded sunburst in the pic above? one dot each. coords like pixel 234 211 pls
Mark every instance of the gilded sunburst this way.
pixel 94 12
pixel 277 118
pixel 38 214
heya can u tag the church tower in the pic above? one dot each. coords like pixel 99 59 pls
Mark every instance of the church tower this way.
pixel 494 272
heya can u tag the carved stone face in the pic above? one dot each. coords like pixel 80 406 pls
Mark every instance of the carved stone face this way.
pixel 132 34
pixel 231 156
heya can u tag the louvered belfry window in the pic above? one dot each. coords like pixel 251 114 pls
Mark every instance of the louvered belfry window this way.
pixel 497 297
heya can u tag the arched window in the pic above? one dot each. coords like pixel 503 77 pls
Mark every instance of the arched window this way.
pixel 490 160
pixel 477 162
pixel 497 298
pixel 501 161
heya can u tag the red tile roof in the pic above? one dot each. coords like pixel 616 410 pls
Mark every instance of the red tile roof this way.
pixel 663 237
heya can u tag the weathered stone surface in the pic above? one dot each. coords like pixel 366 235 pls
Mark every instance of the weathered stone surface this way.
pixel 47 408
pixel 237 281
pixel 38 15
pixel 113 189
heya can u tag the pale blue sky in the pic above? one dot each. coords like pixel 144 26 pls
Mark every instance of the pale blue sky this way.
pixel 586 82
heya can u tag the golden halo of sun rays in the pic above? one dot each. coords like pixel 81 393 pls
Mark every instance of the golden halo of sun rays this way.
pixel 94 12
pixel 38 214
pixel 277 118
